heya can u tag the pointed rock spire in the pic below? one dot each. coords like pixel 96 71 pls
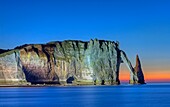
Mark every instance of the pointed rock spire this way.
pixel 138 71
pixel 138 65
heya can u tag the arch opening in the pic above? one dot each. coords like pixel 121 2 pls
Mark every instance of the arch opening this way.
pixel 124 74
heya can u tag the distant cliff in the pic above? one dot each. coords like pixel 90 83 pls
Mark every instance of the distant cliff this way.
pixel 67 62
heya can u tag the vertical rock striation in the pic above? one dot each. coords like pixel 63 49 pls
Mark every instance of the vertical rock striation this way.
pixel 70 61
pixel 11 68
pixel 38 63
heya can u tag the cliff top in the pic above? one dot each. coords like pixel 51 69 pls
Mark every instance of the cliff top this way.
pixel 9 51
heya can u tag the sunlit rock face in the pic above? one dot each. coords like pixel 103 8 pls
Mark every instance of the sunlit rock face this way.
pixel 11 68
pixel 76 62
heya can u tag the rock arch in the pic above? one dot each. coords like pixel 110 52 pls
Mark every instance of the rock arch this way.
pixel 136 73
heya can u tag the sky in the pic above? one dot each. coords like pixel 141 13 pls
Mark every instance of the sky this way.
pixel 141 26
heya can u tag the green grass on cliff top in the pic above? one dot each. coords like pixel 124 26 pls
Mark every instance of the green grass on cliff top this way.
pixel 8 52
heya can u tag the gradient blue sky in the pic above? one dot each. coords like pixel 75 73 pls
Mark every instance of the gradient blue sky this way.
pixel 141 26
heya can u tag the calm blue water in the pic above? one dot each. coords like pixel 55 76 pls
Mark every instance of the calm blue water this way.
pixel 150 95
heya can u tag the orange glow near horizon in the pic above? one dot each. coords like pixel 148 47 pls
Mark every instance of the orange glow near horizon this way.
pixel 162 76
pixel 150 76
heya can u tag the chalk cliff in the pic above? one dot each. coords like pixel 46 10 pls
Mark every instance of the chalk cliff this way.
pixel 70 61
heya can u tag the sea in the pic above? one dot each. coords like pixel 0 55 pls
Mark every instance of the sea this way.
pixel 149 95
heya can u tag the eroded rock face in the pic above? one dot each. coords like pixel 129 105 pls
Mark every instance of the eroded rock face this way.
pixel 38 63
pixel 77 62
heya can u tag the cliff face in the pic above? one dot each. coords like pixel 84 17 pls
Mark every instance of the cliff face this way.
pixel 77 62
pixel 11 68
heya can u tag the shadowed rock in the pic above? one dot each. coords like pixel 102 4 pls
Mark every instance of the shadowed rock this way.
pixel 138 71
